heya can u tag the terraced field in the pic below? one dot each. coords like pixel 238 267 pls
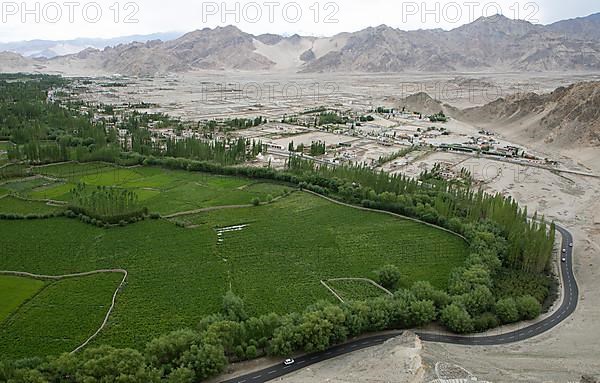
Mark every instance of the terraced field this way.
pixel 179 274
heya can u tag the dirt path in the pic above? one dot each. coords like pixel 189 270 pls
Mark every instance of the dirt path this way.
pixel 204 210
pixel 76 275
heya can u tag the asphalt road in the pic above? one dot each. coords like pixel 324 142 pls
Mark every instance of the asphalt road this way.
pixel 568 306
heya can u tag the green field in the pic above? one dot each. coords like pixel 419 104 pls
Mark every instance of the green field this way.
pixel 59 318
pixel 160 190
pixel 28 184
pixel 17 206
pixel 14 291
pixel 355 290
pixel 178 275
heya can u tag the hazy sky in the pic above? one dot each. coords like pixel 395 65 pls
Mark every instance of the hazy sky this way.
pixel 25 20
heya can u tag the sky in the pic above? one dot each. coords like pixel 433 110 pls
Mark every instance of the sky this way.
pixel 68 19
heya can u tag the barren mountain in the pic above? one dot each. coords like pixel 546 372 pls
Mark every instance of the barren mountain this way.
pixel 13 62
pixel 582 28
pixel 219 48
pixel 568 116
pixel 53 48
pixel 493 43
pixel 423 103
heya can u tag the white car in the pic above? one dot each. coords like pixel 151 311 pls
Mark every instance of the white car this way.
pixel 564 251
pixel 570 245
pixel 564 260
pixel 289 362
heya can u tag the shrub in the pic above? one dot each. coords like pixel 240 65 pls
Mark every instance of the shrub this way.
pixel 255 201
pixel 389 277
pixel 485 322
pixel 507 311
pixel 457 319
pixel 251 352
pixel 528 307
pixel 425 291
pixel 163 351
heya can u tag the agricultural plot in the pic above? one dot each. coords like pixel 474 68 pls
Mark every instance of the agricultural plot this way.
pixel 14 291
pixel 160 190
pixel 27 184
pixel 174 276
pixel 355 289
pixel 12 205
pixel 283 249
pixel 61 317
pixel 275 262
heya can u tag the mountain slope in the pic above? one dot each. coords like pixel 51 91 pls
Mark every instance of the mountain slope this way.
pixel 487 44
pixel 494 42
pixel 567 116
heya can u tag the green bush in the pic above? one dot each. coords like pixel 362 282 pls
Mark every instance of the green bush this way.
pixel 528 307
pixel 507 311
pixel 485 322
pixel 457 319
pixel 389 277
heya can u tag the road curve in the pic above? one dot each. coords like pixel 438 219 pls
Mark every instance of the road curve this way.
pixel 567 307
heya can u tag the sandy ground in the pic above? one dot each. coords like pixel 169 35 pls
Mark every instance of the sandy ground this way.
pixel 397 360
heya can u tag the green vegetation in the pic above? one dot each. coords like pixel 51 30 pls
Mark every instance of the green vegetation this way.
pixel 105 203
pixel 328 118
pixel 14 292
pixel 438 117
pixel 389 276
pixel 394 156
pixel 494 271
pixel 61 317
pixel 45 129
pixel 317 148
pixel 159 190
pixel 12 205
pixel 383 110
pixel 185 268
pixel 355 290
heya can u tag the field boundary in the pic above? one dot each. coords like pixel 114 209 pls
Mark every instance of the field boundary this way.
pixel 224 207
pixel 77 275
pixel 337 295
pixel 56 203
pixel 388 213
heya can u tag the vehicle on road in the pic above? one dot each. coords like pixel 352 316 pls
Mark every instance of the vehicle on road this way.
pixel 570 245
pixel 564 251
pixel 564 259
pixel 289 362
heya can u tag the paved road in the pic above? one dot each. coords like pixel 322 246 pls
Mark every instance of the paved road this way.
pixel 568 306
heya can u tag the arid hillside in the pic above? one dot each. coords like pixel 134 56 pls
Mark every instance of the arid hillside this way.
pixel 494 43
pixel 566 117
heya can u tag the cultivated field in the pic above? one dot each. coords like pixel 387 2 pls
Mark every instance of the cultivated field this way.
pixel 59 318
pixel 160 190
pixel 179 274
pixel 14 292
pixel 355 289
